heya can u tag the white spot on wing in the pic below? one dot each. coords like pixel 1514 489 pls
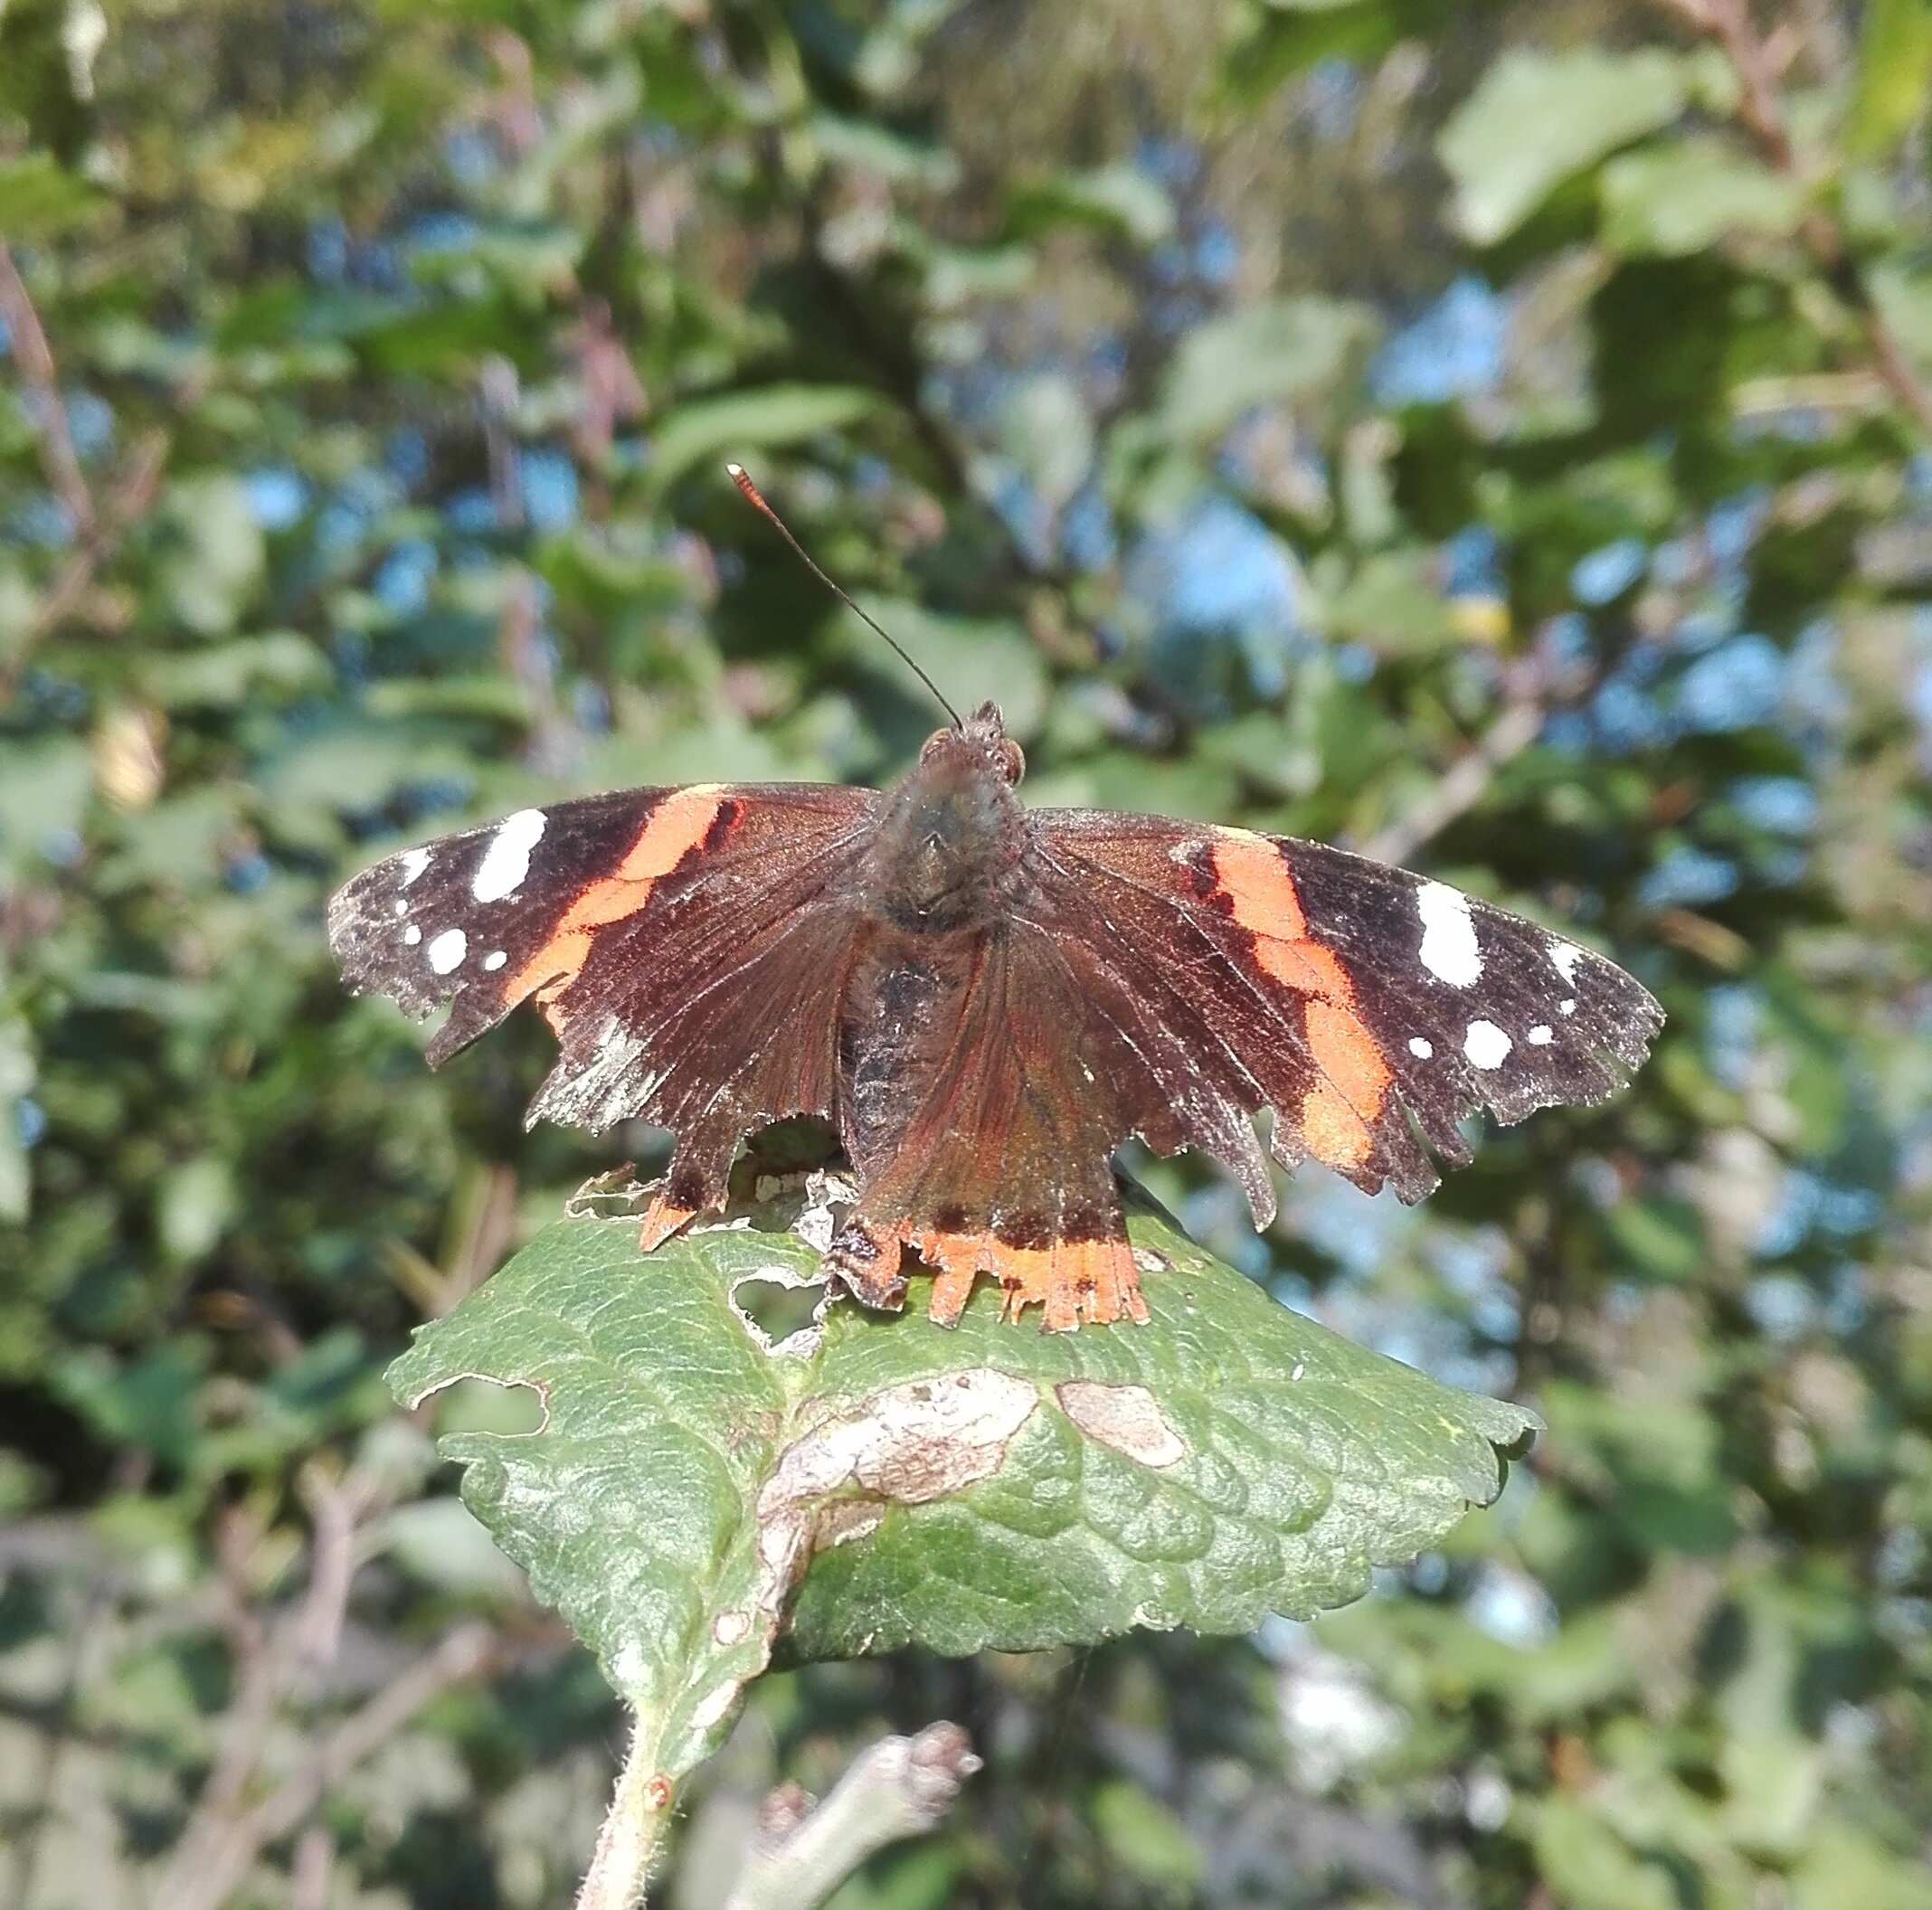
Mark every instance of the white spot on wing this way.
pixel 447 950
pixel 494 959
pixel 1422 1050
pixel 1566 956
pixel 1567 1007
pixel 506 861
pixel 1486 1045
pixel 1449 950
pixel 1541 1036
pixel 412 935
pixel 414 861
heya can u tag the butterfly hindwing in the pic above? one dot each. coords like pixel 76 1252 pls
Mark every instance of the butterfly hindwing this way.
pixel 982 1131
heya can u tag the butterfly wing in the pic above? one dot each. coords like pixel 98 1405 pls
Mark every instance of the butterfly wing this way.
pixel 981 1131
pixel 686 945
pixel 1368 1008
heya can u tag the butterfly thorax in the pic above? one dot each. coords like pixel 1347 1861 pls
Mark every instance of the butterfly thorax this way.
pixel 950 840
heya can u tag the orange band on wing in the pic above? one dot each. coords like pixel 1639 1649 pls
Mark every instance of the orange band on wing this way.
pixel 1337 1115
pixel 1251 873
pixel 671 831
pixel 1076 1281
pixel 662 1218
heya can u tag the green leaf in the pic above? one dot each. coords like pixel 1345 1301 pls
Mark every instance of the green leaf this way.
pixel 973 657
pixel 1046 428
pixel 277 666
pixel 984 1486
pixel 1682 196
pixel 716 429
pixel 1283 348
pixel 215 552
pixel 1282 38
pixel 18 1070
pixel 1841 1867
pixel 1904 299
pixel 1539 118
pixel 1894 64
pixel 1146 1839
pixel 44 785
pixel 1589 1867
pixel 1119 199
pixel 39 198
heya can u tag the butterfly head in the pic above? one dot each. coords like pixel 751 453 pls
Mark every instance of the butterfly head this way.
pixel 952 830
pixel 978 745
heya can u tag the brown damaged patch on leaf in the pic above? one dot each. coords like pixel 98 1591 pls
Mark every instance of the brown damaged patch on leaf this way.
pixel 1127 1419
pixel 614 1195
pixel 907 1445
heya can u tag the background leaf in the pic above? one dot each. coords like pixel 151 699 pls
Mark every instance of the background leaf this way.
pixel 1286 349
pixel 1539 118
pixel 1684 196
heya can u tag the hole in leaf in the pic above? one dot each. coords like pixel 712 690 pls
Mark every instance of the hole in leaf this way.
pixel 775 1311
pixel 477 1405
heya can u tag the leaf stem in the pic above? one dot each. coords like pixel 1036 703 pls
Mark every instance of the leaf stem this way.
pixel 639 1809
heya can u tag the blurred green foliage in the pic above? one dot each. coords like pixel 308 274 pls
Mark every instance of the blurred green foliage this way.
pixel 1488 435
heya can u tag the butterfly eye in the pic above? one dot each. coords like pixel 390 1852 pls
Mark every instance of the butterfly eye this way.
pixel 1012 760
pixel 931 745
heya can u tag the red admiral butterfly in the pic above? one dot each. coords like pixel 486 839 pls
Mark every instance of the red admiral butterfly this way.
pixel 985 1001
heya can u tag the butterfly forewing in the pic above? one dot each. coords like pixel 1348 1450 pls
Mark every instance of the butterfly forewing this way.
pixel 1345 996
pixel 590 902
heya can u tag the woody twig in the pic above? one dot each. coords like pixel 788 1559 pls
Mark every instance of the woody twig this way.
pixel 897 1788
pixel 227 1833
pixel 47 405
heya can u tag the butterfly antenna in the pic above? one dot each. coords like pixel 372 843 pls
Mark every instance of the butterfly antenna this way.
pixel 755 498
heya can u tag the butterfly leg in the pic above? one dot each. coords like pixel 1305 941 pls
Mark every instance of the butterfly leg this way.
pixel 865 1259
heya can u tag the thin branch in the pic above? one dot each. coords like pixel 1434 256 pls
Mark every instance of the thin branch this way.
pixel 42 377
pixel 33 1823
pixel 1464 784
pixel 336 1511
pixel 899 1787
pixel 496 401
pixel 271 1664
pixel 1759 62
pixel 465 1652
pixel 221 1866
pixel 127 504
pixel 314 1864
pixel 1539 682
